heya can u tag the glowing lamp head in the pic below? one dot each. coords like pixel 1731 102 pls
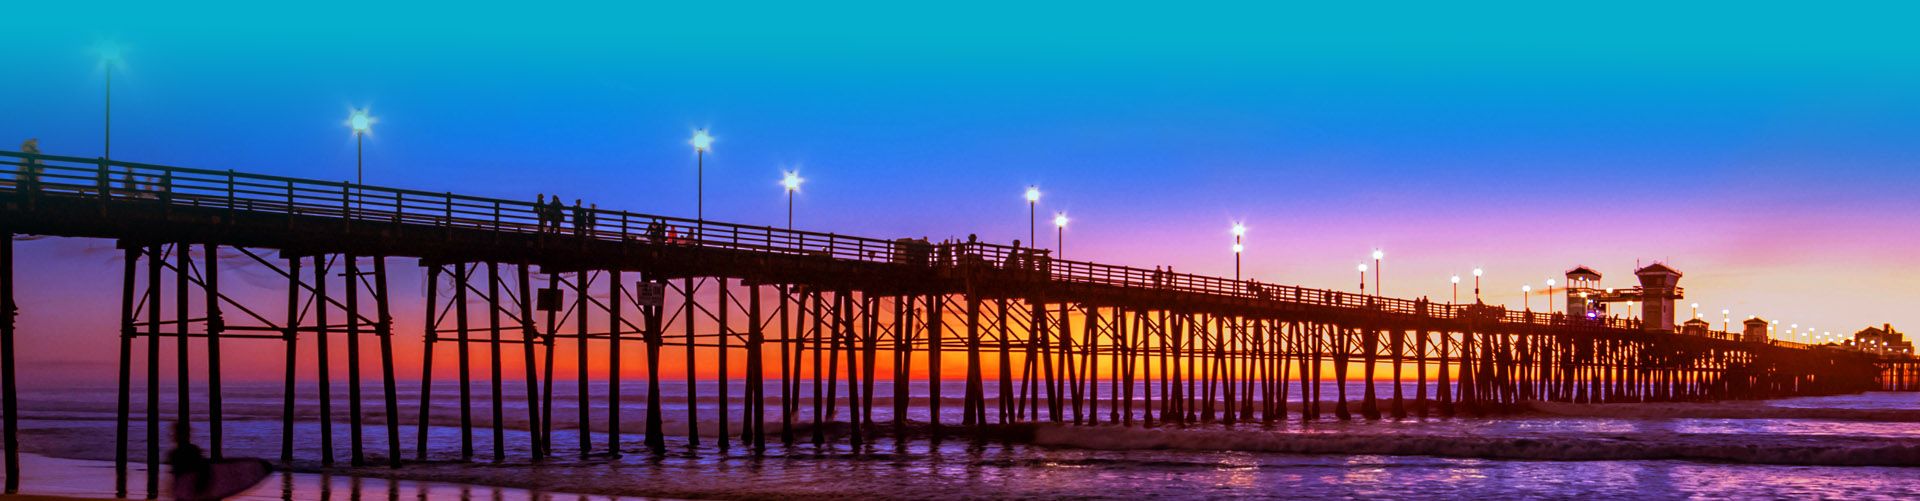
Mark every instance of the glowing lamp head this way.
pixel 701 141
pixel 1377 254
pixel 1060 219
pixel 791 180
pixel 360 122
pixel 1549 282
pixel 1239 230
pixel 1237 248
pixel 1726 312
pixel 1362 268
pixel 1526 288
pixel 1456 279
pixel 1476 272
pixel 1033 194
pixel 1696 305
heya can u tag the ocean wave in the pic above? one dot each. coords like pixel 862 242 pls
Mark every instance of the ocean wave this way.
pixel 1721 410
pixel 1823 451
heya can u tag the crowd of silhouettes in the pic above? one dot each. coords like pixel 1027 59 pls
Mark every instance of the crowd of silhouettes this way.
pixel 551 214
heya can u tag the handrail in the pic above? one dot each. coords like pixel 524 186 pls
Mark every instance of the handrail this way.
pixel 356 204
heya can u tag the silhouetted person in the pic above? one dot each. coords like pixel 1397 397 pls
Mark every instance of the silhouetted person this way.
pixel 557 212
pixel 593 217
pixel 580 221
pixel 540 211
pixel 197 477
pixel 186 459
pixel 657 232
pixel 29 177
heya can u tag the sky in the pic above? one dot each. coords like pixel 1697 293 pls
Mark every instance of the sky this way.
pixel 1766 152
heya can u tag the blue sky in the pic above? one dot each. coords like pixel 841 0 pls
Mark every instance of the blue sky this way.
pixel 1767 151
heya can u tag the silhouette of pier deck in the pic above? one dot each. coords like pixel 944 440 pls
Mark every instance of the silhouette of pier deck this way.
pixel 1168 348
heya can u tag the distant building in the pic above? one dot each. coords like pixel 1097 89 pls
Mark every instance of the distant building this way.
pixel 1882 340
pixel 1755 330
pixel 1659 287
pixel 1695 327
pixel 1583 294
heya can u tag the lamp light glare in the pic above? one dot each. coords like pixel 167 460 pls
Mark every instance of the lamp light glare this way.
pixel 791 180
pixel 701 141
pixel 1033 194
pixel 1060 219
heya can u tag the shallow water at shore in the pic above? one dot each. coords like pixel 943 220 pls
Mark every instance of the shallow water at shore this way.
pixel 1849 446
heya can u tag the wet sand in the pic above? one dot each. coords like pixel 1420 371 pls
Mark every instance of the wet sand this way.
pixel 43 477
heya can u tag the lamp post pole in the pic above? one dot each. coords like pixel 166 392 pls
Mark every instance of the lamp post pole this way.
pixel 1550 301
pixel 361 124
pixel 108 130
pixel 791 181
pixel 1363 279
pixel 1060 238
pixel 1476 285
pixel 702 141
pixel 1377 270
pixel 1239 245
pixel 1456 290
pixel 1033 207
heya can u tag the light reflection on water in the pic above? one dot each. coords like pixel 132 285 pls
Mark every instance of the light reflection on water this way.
pixel 961 467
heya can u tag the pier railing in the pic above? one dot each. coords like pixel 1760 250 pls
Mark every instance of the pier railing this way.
pixel 35 176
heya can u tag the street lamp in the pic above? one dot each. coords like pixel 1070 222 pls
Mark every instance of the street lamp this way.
pixel 1526 296
pixel 109 58
pixel 1456 290
pixel 1363 279
pixel 1239 235
pixel 702 141
pixel 1476 285
pixel 1549 296
pixel 1726 319
pixel 362 123
pixel 1377 270
pixel 1696 310
pixel 791 181
pixel 1033 204
pixel 1060 222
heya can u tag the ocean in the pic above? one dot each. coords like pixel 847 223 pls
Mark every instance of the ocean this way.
pixel 1859 446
